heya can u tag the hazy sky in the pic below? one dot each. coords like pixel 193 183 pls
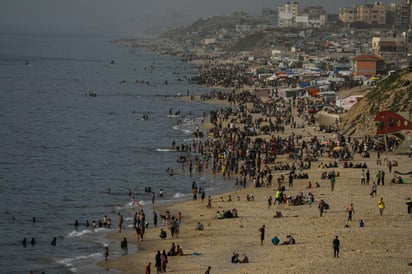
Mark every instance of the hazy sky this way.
pixel 132 15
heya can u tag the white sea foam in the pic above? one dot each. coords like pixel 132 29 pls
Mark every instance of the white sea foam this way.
pixel 75 233
pixel 179 195
pixel 187 121
pixel 85 259
pixel 165 149
pixel 102 229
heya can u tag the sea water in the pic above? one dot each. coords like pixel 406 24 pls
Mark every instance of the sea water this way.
pixel 62 149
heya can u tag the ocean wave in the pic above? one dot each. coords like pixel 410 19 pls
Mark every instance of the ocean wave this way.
pixel 75 233
pixel 84 259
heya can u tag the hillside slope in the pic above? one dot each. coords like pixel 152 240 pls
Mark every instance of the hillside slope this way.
pixel 393 93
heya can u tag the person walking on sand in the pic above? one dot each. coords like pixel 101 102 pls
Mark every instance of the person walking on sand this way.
pixel 378 177
pixel 163 261
pixel 368 177
pixel 208 270
pixel 262 234
pixel 332 181
pixel 209 202
pixel 381 206
pixel 374 190
pixel 336 244
pixel 120 221
pixel 350 211
pixel 158 262
pixel 321 207
pixel 363 181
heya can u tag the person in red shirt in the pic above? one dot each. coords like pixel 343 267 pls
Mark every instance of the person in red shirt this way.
pixel 148 268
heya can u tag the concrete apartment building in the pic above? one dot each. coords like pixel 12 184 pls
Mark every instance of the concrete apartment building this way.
pixel 370 14
pixel 311 17
pixel 400 15
pixel 287 14
pixel 389 47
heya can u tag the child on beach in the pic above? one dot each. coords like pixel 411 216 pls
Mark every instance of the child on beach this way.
pixel 381 206
pixel 209 202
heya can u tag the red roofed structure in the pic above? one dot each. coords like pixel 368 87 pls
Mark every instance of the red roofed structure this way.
pixel 391 122
pixel 368 65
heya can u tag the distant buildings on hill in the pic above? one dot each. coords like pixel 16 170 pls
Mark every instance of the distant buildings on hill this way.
pixel 396 15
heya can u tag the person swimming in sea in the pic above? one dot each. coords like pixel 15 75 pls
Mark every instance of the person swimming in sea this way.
pixel 53 243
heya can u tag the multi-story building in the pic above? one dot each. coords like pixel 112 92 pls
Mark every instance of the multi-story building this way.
pixel 311 17
pixel 347 15
pixel 389 47
pixel 287 14
pixel 370 14
pixel 400 14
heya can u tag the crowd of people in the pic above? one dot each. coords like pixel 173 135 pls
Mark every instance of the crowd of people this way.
pixel 237 151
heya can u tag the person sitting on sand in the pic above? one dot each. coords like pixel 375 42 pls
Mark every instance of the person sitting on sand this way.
pixel 245 259
pixel 275 240
pixel 163 234
pixel 199 226
pixel 289 240
pixel 227 214
pixel 234 213
pixel 235 259
pixel 278 214
pixel 218 215
pixel 179 251
pixel 172 251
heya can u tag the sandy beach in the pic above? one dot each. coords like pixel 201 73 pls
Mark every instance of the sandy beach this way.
pixel 382 245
